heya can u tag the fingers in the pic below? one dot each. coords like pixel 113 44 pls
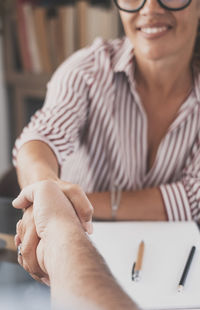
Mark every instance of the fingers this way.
pixel 46 281
pixel 18 233
pixel 24 199
pixel 73 192
pixel 28 240
pixel 17 240
pixel 81 204
pixel 28 260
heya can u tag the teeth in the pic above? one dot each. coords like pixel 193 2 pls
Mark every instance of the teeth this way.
pixel 153 30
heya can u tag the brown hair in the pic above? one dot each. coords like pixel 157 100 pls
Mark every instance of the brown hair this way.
pixel 196 54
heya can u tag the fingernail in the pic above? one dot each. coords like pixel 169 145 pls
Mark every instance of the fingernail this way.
pixel 13 202
pixel 45 281
pixel 89 227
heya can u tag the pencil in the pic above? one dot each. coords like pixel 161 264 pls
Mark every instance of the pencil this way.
pixel 138 264
pixel 186 269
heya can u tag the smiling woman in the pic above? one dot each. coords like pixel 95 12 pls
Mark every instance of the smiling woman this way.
pixel 159 32
pixel 120 126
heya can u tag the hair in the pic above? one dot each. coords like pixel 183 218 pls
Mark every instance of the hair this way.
pixel 196 53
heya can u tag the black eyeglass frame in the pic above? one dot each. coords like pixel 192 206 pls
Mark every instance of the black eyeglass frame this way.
pixel 159 1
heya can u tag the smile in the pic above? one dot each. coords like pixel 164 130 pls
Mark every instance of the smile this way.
pixel 153 30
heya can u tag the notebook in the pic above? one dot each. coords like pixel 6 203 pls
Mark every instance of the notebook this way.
pixel 167 246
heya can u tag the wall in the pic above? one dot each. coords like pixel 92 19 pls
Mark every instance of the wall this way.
pixel 4 137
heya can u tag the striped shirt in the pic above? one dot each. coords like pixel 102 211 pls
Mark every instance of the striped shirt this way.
pixel 94 122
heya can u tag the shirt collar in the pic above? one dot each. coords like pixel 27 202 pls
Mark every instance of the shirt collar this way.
pixel 123 58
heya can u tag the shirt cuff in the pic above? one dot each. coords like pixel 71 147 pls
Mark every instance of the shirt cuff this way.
pixel 176 202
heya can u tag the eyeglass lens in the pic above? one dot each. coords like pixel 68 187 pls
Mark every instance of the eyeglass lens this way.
pixel 136 4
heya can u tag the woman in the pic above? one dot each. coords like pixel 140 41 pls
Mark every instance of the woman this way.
pixel 123 117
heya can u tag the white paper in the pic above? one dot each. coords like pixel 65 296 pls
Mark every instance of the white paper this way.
pixel 167 246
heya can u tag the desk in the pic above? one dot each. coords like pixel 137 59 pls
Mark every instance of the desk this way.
pixel 166 248
pixel 19 292
pixel 17 289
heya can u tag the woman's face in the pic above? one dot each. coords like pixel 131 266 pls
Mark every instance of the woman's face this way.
pixel 157 33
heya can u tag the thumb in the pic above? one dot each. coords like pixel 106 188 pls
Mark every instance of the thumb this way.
pixel 24 199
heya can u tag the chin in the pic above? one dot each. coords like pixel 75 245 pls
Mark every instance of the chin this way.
pixel 154 54
pixel 155 57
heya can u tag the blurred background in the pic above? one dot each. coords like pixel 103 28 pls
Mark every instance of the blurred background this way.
pixel 4 126
pixel 36 36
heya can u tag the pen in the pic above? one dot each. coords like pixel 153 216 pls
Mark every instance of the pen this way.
pixel 186 269
pixel 133 270
pixel 138 265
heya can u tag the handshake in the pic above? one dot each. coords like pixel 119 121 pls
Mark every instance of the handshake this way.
pixel 48 215
pixel 54 248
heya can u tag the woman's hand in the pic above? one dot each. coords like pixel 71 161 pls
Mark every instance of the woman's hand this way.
pixel 28 240
pixel 48 202
pixel 80 203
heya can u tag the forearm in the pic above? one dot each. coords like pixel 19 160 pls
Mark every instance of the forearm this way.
pixel 36 162
pixel 146 205
pixel 82 276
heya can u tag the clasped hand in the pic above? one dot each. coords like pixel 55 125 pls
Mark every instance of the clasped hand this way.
pixel 47 202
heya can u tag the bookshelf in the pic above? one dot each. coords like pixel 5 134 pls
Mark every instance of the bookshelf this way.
pixel 38 35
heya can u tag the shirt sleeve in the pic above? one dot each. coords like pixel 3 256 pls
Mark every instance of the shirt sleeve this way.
pixel 182 198
pixel 64 113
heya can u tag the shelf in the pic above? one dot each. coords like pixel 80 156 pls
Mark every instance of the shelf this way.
pixel 24 80
pixel 50 36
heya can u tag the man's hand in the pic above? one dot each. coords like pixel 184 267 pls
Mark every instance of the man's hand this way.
pixel 49 204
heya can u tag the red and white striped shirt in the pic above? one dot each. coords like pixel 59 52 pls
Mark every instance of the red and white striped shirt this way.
pixel 95 124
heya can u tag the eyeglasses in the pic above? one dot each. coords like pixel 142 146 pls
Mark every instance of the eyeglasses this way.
pixel 131 6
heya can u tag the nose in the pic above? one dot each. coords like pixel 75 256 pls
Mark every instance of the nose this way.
pixel 151 7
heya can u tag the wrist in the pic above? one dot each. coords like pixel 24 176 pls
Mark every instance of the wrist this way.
pixel 41 173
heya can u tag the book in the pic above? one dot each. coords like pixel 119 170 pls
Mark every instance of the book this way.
pixel 81 23
pixel 31 37
pixel 55 43
pixel 13 51
pixel 95 19
pixel 59 40
pixel 167 246
pixel 102 22
pixel 39 14
pixel 67 27
pixel 23 37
